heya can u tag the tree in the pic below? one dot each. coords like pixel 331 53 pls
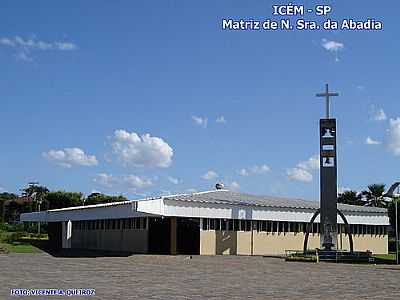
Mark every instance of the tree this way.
pixel 36 192
pixel 374 196
pixel 3 198
pixel 98 198
pixel 392 212
pixel 350 197
pixel 32 188
pixel 61 199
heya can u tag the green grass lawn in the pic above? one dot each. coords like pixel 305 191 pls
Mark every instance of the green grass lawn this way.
pixel 386 258
pixel 21 243
pixel 19 248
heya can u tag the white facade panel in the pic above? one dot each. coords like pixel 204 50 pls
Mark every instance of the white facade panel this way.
pixel 128 210
pixel 221 211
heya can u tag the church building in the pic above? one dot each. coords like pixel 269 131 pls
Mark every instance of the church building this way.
pixel 208 223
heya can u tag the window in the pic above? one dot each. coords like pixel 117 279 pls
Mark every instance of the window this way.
pixel 281 227
pixel 223 224
pixel 230 225
pixel 274 226
pixel 242 225
pixel 142 223
pixel 132 223
pixel 264 225
pixel 248 225
pixel 217 224
pixel 269 226
pixel 355 229
pixel 236 225
pixel 212 224
pixel 305 226
pixel 285 226
pixel 314 228
pixel 205 224
pixel 293 227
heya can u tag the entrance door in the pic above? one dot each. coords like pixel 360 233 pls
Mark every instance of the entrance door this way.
pixel 159 235
pixel 188 236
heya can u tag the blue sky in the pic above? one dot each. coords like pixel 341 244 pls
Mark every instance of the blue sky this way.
pixel 124 97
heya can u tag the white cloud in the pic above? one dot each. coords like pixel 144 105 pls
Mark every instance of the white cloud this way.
pixel 3 190
pixel 22 56
pixel 301 175
pixel 25 46
pixel 141 151
pixel 69 157
pixel 361 88
pixel 333 47
pixel 173 180
pixel 7 42
pixel 132 182
pixel 393 136
pixel 261 169
pixel 244 172
pixel 136 182
pixel 377 114
pixel 302 172
pixel 235 186
pixel 210 175
pixel 310 164
pixel 66 46
pixel 33 43
pixel 370 141
pixel 105 179
pixel 221 120
pixel 165 193
pixel 202 122
pixel 342 189
pixel 191 191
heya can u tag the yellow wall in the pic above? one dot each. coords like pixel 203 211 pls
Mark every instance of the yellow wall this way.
pixel 207 242
pixel 240 243
pixel 377 244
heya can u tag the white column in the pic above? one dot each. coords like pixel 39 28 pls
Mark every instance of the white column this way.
pixel 66 232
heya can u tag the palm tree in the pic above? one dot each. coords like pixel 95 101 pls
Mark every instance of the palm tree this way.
pixel 350 197
pixel 374 196
pixel 36 192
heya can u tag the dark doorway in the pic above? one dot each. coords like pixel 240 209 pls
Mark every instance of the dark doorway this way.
pixel 159 236
pixel 54 230
pixel 188 236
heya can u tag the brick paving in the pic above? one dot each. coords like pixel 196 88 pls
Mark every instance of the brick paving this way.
pixel 202 277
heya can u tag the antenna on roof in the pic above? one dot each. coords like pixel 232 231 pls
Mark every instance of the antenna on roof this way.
pixel 219 186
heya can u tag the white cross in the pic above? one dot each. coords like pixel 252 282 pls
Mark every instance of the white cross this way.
pixel 327 94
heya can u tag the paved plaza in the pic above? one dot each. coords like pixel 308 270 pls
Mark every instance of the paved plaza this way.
pixel 202 277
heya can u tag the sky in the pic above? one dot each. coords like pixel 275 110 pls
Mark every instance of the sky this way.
pixel 145 98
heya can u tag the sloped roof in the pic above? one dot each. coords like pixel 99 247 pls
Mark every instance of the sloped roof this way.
pixel 234 198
